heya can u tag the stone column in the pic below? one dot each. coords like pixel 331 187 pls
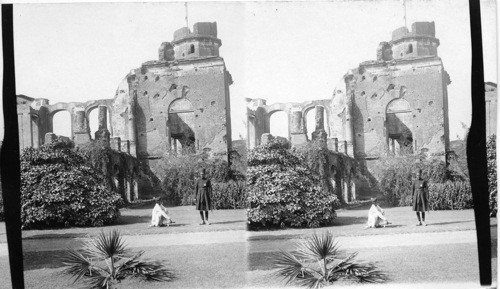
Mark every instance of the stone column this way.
pixel 353 190
pixel 350 81
pixel 81 134
pixel 169 137
pixel 178 147
pixel 345 193
pixel 297 134
pixel 102 134
pixel 103 117
pixel 135 187
pixel 320 118
pixel 128 188
pixel 35 131
pixel 132 132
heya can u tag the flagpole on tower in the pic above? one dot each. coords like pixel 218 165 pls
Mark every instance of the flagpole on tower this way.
pixel 186 5
pixel 404 5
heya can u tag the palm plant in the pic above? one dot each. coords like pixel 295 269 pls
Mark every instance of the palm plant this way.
pixel 105 261
pixel 317 263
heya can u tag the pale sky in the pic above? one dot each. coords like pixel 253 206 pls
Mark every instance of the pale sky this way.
pixel 279 51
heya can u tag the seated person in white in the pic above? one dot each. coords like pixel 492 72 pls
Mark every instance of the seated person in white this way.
pixel 376 216
pixel 159 215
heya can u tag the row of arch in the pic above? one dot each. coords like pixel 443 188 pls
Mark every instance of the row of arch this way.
pixel 61 118
pixel 279 122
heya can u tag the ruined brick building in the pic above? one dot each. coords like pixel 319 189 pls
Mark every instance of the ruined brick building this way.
pixel 395 104
pixel 177 103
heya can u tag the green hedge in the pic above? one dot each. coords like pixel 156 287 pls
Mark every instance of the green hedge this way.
pixel 450 196
pixel 491 147
pixel 60 189
pixel 283 192
pixel 179 174
pixel 229 195
pixel 397 174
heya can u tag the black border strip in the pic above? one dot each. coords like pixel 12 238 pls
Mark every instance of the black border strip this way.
pixel 476 147
pixel 10 165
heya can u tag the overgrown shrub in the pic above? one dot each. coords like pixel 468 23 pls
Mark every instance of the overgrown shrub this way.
pixel 491 147
pixel 397 174
pixel 179 174
pixel 229 195
pixel 328 165
pixel 450 196
pixel 59 189
pixel 282 191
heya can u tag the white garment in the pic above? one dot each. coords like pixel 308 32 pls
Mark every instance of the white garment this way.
pixel 376 217
pixel 159 216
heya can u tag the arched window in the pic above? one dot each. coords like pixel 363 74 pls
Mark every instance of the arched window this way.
pixel 181 123
pixel 399 127
pixel 61 123
pixel 409 49
pixel 278 124
pixel 191 49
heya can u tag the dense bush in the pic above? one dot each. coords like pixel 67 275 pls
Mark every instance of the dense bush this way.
pixel 282 191
pixel 397 174
pixel 450 196
pixel 179 174
pixel 491 147
pixel 328 165
pixel 228 195
pixel 59 188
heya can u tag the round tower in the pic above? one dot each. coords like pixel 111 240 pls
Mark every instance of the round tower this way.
pixel 420 42
pixel 202 42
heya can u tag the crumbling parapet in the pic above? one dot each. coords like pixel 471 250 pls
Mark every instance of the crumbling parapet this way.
pixel 102 134
pixel 320 118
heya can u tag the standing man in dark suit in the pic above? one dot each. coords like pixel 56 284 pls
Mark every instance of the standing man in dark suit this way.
pixel 420 198
pixel 203 195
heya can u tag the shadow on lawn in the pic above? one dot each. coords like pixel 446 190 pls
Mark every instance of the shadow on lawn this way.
pixel 227 222
pixel 124 220
pixel 40 260
pixel 57 236
pixel 347 220
pixel 447 223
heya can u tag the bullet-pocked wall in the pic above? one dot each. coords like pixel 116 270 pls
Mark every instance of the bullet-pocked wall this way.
pixel 176 104
pixel 395 104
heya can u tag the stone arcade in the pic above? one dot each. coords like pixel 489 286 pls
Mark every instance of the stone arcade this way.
pixel 177 103
pixel 393 105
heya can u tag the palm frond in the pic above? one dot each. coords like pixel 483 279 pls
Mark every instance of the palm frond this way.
pixel 148 270
pixel 106 245
pixel 359 271
pixel 109 249
pixel 312 282
pixel 289 266
pixel 99 281
pixel 319 247
pixel 76 265
pixel 316 264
